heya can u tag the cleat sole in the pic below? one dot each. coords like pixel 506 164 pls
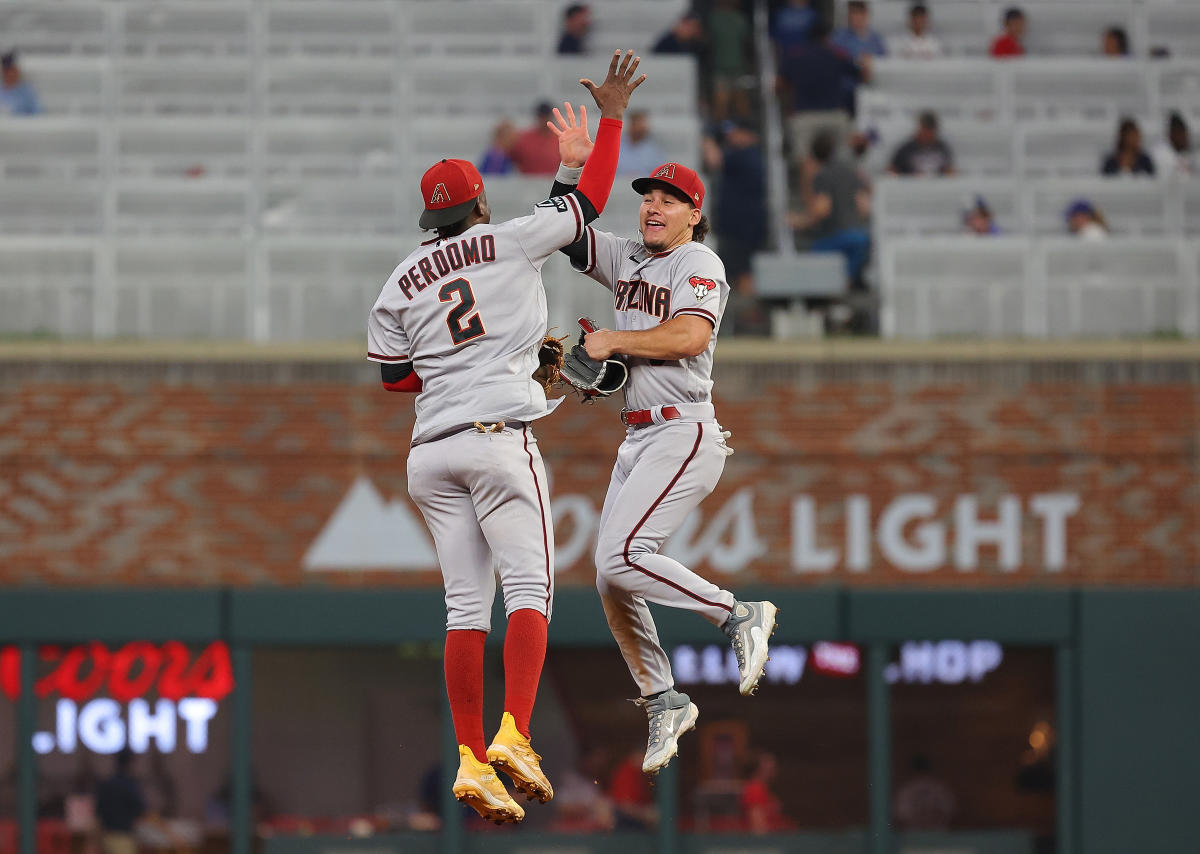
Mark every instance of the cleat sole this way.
pixel 530 788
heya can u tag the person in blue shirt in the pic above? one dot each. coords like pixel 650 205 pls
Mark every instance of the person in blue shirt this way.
pixel 791 24
pixel 858 39
pixel 17 97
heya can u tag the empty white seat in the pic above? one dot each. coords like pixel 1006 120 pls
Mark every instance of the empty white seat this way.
pixel 1118 287
pixel 679 137
pixel 953 88
pixel 1190 202
pixel 318 87
pixel 324 289
pixel 64 28
pixel 463 136
pixel 1054 27
pixel 1064 148
pixel 49 147
pixel 629 24
pixel 1179 85
pixel 350 27
pixel 1096 88
pixel 182 288
pixel 333 207
pixel 183 148
pixel 330 147
pixel 956 286
pixel 1174 26
pixel 521 28
pixel 514 85
pixel 174 29
pixel 203 207
pixel 183 87
pixel 68 85
pixel 792 277
pixel 936 205
pixel 1131 206
pixel 672 92
pixel 50 207
pixel 512 196
pixel 47 286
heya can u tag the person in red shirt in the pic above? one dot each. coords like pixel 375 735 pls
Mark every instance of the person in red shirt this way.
pixel 1011 42
pixel 535 151
pixel 761 810
pixel 629 792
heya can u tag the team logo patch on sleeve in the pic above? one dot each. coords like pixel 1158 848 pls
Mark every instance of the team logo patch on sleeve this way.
pixel 701 287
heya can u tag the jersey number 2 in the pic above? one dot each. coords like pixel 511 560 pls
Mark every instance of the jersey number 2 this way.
pixel 460 332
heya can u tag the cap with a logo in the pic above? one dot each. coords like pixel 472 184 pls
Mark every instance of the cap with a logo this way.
pixel 678 177
pixel 450 188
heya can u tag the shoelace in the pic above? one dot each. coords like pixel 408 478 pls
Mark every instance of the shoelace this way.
pixel 656 719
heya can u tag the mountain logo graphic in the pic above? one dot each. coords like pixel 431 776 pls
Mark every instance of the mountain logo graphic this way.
pixel 366 532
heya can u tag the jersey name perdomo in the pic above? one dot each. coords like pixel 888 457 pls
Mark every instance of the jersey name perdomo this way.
pixel 445 259
pixel 639 295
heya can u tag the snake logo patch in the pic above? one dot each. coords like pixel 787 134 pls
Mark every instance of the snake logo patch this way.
pixel 701 287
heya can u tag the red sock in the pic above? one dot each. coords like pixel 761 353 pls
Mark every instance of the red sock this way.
pixel 464 687
pixel 524 652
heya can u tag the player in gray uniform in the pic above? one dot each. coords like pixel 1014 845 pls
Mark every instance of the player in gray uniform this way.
pixel 460 322
pixel 669 292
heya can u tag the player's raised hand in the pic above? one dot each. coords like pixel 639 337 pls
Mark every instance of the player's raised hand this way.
pixel 574 144
pixel 612 96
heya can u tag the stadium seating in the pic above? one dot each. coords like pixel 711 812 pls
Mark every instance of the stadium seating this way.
pixel 185 147
pixel 58 147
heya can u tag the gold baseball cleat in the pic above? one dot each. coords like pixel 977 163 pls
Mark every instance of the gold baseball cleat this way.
pixel 511 753
pixel 478 786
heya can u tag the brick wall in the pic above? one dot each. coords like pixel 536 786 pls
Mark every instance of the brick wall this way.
pixel 876 472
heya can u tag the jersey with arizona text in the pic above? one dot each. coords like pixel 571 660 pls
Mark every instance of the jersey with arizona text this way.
pixel 469 312
pixel 651 288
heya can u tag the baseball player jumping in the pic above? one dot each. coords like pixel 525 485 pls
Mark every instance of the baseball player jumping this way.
pixel 669 292
pixel 460 323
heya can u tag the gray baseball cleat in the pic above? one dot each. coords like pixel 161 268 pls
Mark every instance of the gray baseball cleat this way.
pixel 671 714
pixel 749 627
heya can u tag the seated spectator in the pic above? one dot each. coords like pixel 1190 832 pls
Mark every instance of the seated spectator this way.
pixel 577 20
pixel 630 795
pixel 686 36
pixel 918 42
pixel 1173 156
pixel 740 220
pixel 17 97
pixel 579 801
pixel 761 811
pixel 730 51
pixel 1011 42
pixel 977 218
pixel 791 25
pixel 925 153
pixel 535 150
pixel 837 207
pixel 640 153
pixel 1085 221
pixel 857 38
pixel 815 76
pixel 1129 158
pixel 495 160
pixel 1115 42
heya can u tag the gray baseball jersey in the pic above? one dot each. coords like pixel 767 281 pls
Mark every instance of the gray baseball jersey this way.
pixel 651 288
pixel 665 469
pixel 469 312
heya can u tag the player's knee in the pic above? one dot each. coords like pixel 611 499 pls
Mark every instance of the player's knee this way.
pixel 610 558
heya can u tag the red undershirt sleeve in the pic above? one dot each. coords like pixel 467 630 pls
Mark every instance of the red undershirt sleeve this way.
pixel 601 168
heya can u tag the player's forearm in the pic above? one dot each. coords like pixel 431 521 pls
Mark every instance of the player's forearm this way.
pixel 601 168
pixel 669 341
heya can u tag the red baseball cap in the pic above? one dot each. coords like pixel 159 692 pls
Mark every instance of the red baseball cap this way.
pixel 450 188
pixel 679 178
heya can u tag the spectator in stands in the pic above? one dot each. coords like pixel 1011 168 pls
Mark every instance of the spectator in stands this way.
pixel 685 36
pixel 1129 158
pixel 496 160
pixel 857 38
pixel 924 801
pixel 837 207
pixel 814 77
pixel 977 218
pixel 761 811
pixel 120 805
pixel 1011 42
pixel 740 219
pixel 918 42
pixel 17 97
pixel 630 795
pixel 1174 156
pixel 640 153
pixel 581 805
pixel 926 153
pixel 792 25
pixel 1085 221
pixel 535 150
pixel 577 21
pixel 1115 42
pixel 729 51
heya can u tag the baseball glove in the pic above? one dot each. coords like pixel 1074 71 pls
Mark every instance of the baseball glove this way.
pixel 550 362
pixel 588 376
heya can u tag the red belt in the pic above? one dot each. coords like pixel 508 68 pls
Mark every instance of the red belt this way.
pixel 642 417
